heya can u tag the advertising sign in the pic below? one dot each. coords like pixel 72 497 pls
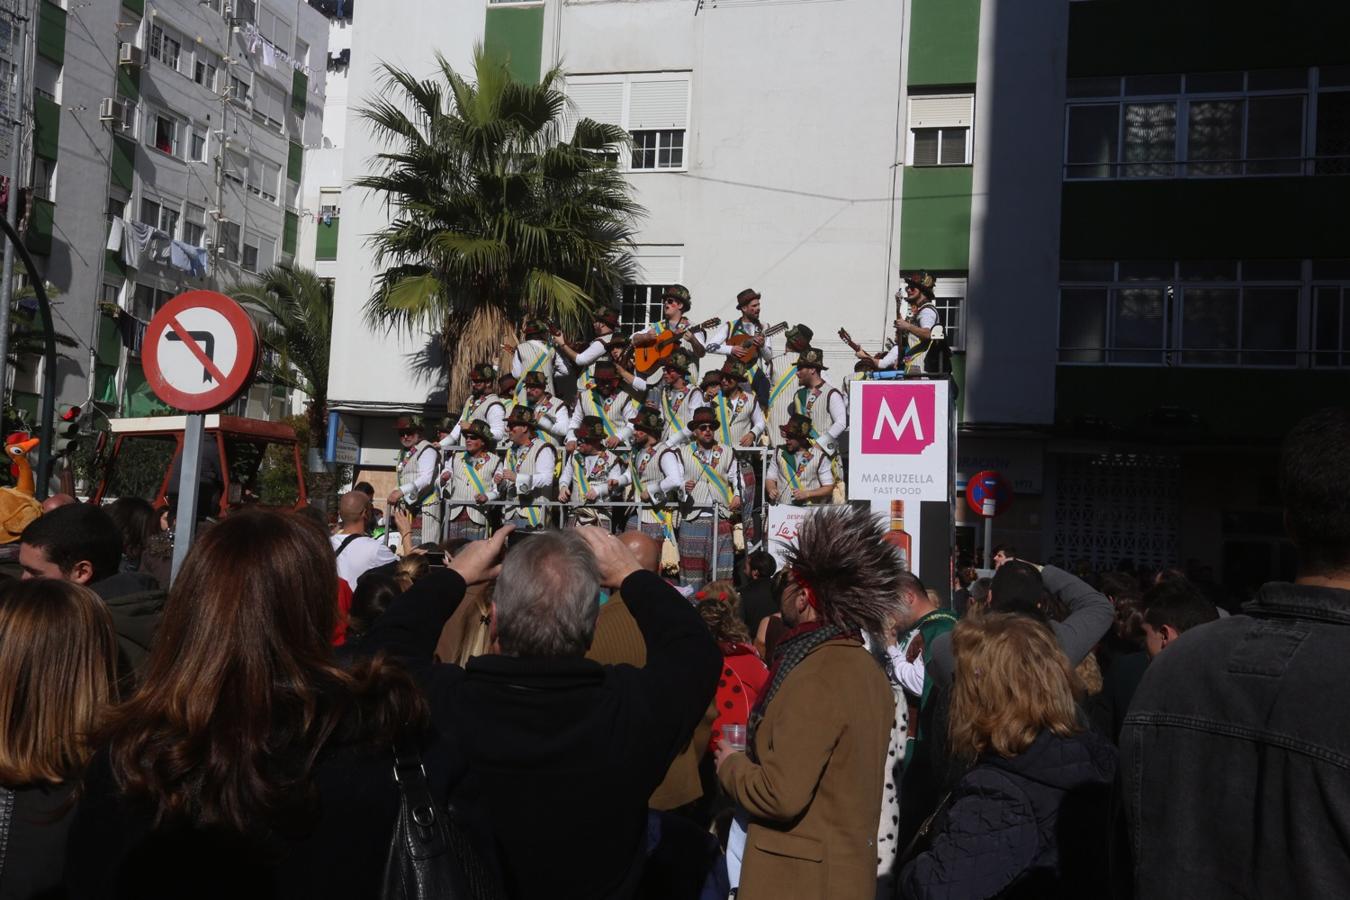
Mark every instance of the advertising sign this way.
pixel 782 527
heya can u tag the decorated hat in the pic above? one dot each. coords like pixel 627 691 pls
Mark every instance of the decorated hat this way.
pixel 445 425
pixel 605 370
pixel 520 415
pixel 483 372
pixel 923 281
pixel 733 368
pixel 591 430
pixel 811 358
pixel 408 423
pixel 619 341
pixel 711 377
pixel 506 377
pixel 678 292
pixel 535 327
pixel 799 337
pixel 677 360
pixel 479 429
pixel 536 379
pixel 745 297
pixel 650 421
pixel 798 426
pixel 704 415
pixel 609 315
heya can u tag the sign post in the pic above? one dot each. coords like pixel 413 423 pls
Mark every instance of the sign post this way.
pixel 988 494
pixel 201 351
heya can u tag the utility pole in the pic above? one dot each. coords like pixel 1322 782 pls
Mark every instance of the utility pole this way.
pixel 226 70
pixel 12 204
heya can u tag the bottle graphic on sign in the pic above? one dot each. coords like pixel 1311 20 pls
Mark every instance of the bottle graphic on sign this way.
pixel 898 537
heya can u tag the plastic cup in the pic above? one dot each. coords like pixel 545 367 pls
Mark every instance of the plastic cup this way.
pixel 734 736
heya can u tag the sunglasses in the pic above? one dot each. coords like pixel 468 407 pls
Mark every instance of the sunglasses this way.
pixel 704 427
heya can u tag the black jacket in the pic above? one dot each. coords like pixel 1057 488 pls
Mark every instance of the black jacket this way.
pixel 136 602
pixel 555 758
pixel 1031 826
pixel 1235 754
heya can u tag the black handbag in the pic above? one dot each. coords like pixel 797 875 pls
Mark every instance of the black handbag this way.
pixel 431 855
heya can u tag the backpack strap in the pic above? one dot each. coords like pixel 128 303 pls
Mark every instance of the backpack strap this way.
pixel 343 546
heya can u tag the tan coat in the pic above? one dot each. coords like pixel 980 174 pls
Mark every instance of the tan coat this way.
pixel 815 796
pixel 468 632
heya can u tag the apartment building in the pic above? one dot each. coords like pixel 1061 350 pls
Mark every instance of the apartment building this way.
pixel 167 154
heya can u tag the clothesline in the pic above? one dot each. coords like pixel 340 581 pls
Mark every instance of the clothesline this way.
pixel 139 242
pixel 272 55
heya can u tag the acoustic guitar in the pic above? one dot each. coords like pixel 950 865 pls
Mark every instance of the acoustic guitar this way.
pixel 648 359
pixel 847 339
pixel 739 341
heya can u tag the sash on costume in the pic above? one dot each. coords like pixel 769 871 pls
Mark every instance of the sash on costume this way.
pixel 715 479
pixel 790 470
pixel 788 377
pixel 472 472
pixel 674 417
pixel 531 514
pixel 534 367
pixel 599 404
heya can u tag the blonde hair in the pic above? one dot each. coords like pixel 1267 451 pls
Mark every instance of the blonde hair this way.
pixel 720 607
pixel 58 676
pixel 1012 682
pixel 410 569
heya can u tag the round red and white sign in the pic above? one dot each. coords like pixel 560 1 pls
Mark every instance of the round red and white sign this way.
pixel 200 351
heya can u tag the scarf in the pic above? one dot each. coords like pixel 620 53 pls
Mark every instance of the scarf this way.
pixel 791 650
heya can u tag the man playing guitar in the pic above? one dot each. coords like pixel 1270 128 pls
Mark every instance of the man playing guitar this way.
pixel 755 353
pixel 675 303
pixel 914 333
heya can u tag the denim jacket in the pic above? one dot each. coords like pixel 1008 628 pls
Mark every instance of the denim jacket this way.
pixel 1235 755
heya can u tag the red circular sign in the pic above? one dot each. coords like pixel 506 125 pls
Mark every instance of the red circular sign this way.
pixel 200 351
pixel 988 487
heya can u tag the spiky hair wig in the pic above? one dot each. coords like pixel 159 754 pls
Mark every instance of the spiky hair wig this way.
pixel 854 573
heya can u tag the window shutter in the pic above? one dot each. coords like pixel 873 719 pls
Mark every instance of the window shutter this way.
pixel 659 269
pixel 598 100
pixel 658 104
pixel 949 287
pixel 941 112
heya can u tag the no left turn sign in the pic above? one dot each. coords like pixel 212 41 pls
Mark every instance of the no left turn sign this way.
pixel 200 351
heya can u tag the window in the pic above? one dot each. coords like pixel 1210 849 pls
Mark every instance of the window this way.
pixel 235 166
pixel 164 136
pixel 1222 124
pixel 949 298
pixel 246 10
pixel 229 241
pixel 939 129
pixel 166 46
pixel 301 52
pixel 194 225
pixel 257 252
pixel 263 177
pixel 274 28
pixel 44 178
pixel 652 106
pixel 160 213
pixel 330 201
pixel 1333 132
pixel 239 89
pixel 205 68
pixel 658 149
pixel 640 305
pixel 269 102
pixel 197 152
pixel 1195 313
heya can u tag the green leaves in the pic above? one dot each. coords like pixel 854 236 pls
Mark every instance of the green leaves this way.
pixel 493 210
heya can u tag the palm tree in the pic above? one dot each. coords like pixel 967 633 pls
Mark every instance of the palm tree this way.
pixel 495 214
pixel 294 312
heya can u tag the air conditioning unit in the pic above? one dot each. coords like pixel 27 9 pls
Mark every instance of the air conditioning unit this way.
pixel 130 55
pixel 111 110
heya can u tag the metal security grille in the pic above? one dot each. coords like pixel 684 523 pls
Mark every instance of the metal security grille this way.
pixel 641 306
pixel 1115 507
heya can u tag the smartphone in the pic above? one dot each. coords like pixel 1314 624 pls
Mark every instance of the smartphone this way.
pixel 517 537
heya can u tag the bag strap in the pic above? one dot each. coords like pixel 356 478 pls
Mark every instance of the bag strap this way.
pixel 6 817
pixel 343 546
pixel 426 824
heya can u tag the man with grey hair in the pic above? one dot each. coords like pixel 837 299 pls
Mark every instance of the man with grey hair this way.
pixel 553 754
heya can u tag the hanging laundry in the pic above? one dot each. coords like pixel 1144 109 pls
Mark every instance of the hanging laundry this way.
pixel 115 235
pixel 137 237
pixel 269 54
pixel 188 258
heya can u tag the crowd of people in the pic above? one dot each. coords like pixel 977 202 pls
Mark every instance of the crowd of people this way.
pixel 644 442
pixel 536 712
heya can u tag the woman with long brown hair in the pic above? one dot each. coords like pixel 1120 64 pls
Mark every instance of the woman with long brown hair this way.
pixel 248 762
pixel 1029 819
pixel 58 660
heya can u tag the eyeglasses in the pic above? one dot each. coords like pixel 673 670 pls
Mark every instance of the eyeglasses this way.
pixel 704 427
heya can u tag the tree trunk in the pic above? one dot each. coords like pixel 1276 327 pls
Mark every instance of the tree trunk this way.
pixel 476 340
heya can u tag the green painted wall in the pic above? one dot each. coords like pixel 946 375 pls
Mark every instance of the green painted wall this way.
pixel 299 87
pixel 109 353
pixel 136 6
pixel 39 236
pixel 51 32
pixel 944 36
pixel 290 233
pixel 123 162
pixel 935 218
pixel 139 399
pixel 295 162
pixel 326 240
pixel 129 82
pixel 516 35
pixel 46 126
